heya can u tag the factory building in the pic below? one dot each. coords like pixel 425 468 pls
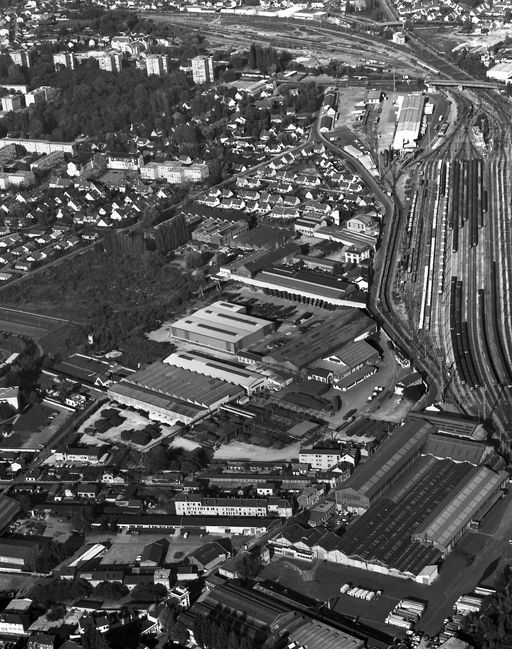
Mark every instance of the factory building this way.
pixel 307 287
pixel 448 522
pixel 500 72
pixel 230 372
pixel 218 232
pixel 409 121
pixel 322 341
pixel 418 495
pixel 172 394
pixel 221 325
pixel 18 554
pixel 381 470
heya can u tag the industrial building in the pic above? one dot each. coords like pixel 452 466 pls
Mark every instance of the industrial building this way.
pixel 343 362
pixel 9 509
pixel 418 495
pixel 408 126
pixel 446 524
pixel 172 394
pixel 500 72
pixel 218 232
pixel 323 340
pixel 221 325
pixel 18 554
pixel 307 286
pixel 225 371
pixel 256 611
pixel 381 470
pixel 450 424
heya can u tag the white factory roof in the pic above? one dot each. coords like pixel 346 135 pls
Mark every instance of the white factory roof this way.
pixel 218 369
pixel 409 121
pixel 500 71
pixel 221 320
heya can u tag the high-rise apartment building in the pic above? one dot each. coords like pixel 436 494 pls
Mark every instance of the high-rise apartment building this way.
pixel 64 60
pixel 202 69
pixel 20 57
pixel 156 64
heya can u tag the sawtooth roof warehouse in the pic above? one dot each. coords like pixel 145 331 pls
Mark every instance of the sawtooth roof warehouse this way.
pixel 418 496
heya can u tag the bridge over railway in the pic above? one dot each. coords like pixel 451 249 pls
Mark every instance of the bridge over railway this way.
pixel 463 83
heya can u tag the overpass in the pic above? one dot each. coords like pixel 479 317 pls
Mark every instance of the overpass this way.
pixel 464 83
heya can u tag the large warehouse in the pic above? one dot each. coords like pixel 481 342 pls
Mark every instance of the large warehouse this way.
pixel 409 122
pixel 221 325
pixel 307 286
pixel 172 394
pixel 447 523
pixel 418 495
pixel 369 482
pixel 334 333
pixel 226 371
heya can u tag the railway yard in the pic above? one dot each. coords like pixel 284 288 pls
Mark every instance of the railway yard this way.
pixel 443 288
pixel 321 42
pixel 454 266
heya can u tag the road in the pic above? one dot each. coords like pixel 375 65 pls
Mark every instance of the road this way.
pixel 380 302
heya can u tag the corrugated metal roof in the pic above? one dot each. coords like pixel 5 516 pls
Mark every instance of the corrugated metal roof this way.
pixel 456 511
pixel 394 453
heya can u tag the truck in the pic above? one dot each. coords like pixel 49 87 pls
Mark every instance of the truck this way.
pixel 412 605
pixel 397 620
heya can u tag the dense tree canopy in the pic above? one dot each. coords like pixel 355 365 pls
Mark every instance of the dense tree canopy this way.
pixel 491 628
pixel 95 102
pixel 55 590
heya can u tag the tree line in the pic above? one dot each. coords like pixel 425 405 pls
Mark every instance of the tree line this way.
pixel 219 631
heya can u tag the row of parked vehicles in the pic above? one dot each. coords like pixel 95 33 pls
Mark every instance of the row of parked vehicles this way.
pixel 360 593
pixel 406 614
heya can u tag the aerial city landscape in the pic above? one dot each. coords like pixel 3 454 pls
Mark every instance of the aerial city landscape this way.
pixel 255 324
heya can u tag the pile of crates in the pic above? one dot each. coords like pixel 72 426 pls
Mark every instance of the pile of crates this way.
pixel 360 593
pixel 406 614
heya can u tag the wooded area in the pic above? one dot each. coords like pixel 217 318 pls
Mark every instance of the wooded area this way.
pixel 116 298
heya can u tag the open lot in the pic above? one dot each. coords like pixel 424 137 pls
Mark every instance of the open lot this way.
pixel 126 547
pixel 23 329
pixel 132 421
pixel 19 583
pixel 49 333
pixel 33 429
pixel 243 451
pixel 347 100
